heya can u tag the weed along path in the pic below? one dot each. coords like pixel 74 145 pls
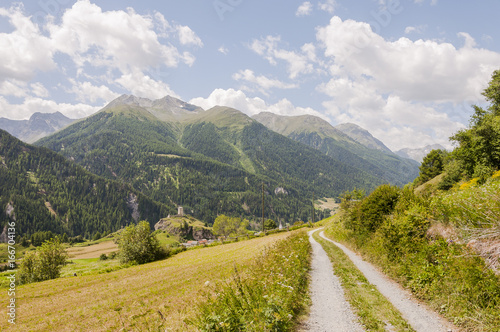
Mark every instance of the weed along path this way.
pixel 418 316
pixel 329 311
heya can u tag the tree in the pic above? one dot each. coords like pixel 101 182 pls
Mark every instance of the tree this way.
pixel 269 224
pixel 479 145
pixel 229 226
pixel 43 264
pixel 432 165
pixel 138 245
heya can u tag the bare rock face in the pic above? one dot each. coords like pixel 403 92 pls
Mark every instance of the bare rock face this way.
pixel 180 226
pixel 133 206
pixel 202 233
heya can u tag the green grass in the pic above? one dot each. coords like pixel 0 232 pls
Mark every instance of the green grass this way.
pixel 101 240
pixel 90 266
pixel 20 250
pixel 376 313
pixel 167 239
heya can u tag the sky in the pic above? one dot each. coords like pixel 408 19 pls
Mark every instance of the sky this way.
pixel 408 71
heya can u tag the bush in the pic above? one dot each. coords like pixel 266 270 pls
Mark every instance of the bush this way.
pixel 368 215
pixel 138 245
pixel 43 264
pixel 103 257
pixel 269 224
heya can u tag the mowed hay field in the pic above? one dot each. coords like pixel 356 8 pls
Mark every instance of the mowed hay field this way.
pixel 93 251
pixel 131 299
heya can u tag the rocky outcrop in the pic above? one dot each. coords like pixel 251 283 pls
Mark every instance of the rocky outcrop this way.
pixel 183 228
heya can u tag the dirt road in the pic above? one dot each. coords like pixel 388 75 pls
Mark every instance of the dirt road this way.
pixel 329 311
pixel 421 318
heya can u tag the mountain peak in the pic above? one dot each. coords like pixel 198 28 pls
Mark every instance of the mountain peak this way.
pixel 418 154
pixel 165 109
pixel 362 136
pixel 130 100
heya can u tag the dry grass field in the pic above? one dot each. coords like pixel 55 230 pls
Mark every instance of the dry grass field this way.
pixel 93 251
pixel 131 299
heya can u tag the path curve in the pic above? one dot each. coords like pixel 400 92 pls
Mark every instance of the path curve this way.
pixel 329 311
pixel 421 318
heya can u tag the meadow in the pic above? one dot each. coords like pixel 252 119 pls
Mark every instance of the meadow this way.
pixel 149 297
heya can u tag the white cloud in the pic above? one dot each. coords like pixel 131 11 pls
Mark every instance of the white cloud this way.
pixel 24 51
pixel 142 85
pixel 268 48
pixel 421 70
pixel 188 37
pixel 328 6
pixel 262 82
pixel 224 50
pixel 359 102
pixel 250 106
pixel 416 90
pixel 119 39
pixel 304 9
pixel 87 92
pixel 13 87
pixel 415 29
pixel 39 90
pixel 32 105
pixel 433 2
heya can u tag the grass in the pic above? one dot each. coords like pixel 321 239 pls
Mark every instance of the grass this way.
pixel 92 251
pixel 132 299
pixel 90 266
pixel 167 239
pixel 269 297
pixel 20 250
pixel 375 312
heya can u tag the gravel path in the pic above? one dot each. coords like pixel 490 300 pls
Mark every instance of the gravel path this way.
pixel 329 311
pixel 417 315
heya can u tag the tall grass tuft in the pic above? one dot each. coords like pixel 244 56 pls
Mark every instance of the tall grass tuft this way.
pixel 474 210
pixel 266 298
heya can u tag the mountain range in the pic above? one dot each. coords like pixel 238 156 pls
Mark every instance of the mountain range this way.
pixel 419 153
pixel 150 156
pixel 210 162
pixel 39 125
pixel 347 143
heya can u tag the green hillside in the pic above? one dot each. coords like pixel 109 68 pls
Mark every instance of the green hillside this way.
pixel 43 191
pixel 210 162
pixel 319 134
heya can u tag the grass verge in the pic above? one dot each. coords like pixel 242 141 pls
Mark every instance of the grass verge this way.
pixel 445 275
pixel 376 313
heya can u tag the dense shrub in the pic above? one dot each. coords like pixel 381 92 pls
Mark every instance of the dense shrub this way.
pixel 447 274
pixel 43 264
pixel 368 214
pixel 138 245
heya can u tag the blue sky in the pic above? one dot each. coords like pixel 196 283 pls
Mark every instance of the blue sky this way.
pixel 408 70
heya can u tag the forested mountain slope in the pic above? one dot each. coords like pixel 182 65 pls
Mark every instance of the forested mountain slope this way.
pixel 43 191
pixel 211 162
pixel 338 145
